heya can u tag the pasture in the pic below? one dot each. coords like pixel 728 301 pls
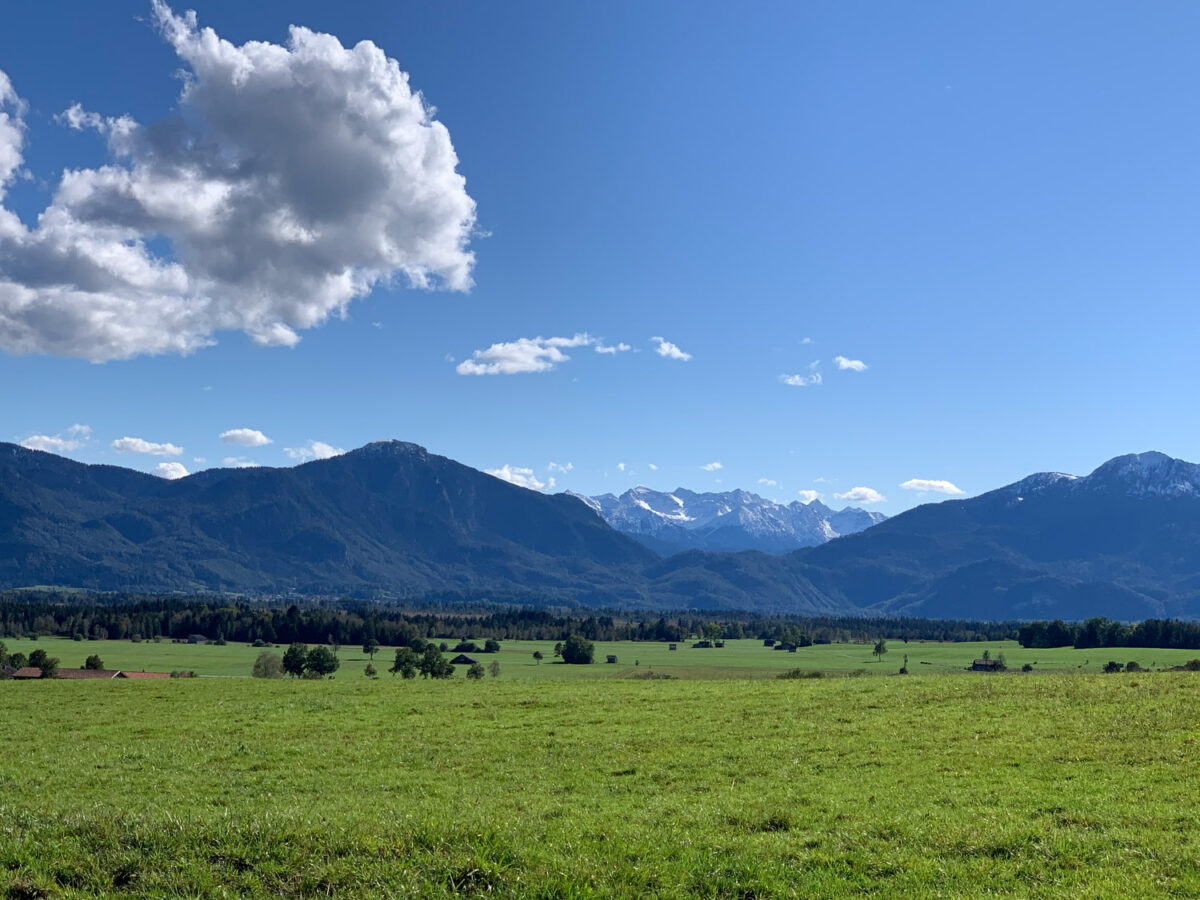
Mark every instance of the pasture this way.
pixel 1002 785
pixel 737 659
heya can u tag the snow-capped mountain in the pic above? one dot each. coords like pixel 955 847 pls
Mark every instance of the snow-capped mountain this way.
pixel 731 520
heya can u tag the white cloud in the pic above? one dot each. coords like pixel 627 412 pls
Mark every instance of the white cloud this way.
pixel 807 497
pixel 313 450
pixel 807 340
pixel 555 467
pixel 768 482
pixel 74 438
pixel 620 467
pixel 245 437
pixel 712 466
pixel 612 349
pixel 862 495
pixel 239 462
pixel 653 467
pixel 170 470
pixel 149 448
pixel 294 179
pixel 801 380
pixel 670 351
pixel 521 356
pixel 855 365
pixel 931 485
pixel 521 477
pixel 199 459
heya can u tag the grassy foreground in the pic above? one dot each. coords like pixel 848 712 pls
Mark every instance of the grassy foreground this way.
pixel 1063 785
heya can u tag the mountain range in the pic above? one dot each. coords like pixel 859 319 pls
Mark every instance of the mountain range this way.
pixel 391 519
pixel 728 521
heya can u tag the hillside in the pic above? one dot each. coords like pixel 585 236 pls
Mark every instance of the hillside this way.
pixel 1122 542
pixel 389 516
pixel 393 519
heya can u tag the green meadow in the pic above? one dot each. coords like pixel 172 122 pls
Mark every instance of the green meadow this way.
pixel 737 659
pixel 990 785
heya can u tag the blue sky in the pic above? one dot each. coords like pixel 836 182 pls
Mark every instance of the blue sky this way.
pixel 992 207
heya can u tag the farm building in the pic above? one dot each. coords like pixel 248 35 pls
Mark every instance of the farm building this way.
pixel 768 643
pixel 987 665
pixel 462 660
pixel 672 646
pixel 701 645
pixel 610 658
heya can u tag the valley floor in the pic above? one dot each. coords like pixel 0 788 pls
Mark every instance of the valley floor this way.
pixel 1043 785
pixel 737 659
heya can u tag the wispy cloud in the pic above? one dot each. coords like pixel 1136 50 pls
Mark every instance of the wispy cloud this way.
pixel 245 437
pixel 807 497
pixel 557 467
pixel 74 438
pixel 313 450
pixel 521 477
pixel 768 482
pixel 620 467
pixel 712 467
pixel 522 356
pixel 149 448
pixel 653 467
pixel 612 349
pixel 854 365
pixel 801 380
pixel 932 485
pixel 239 462
pixel 670 351
pixel 862 495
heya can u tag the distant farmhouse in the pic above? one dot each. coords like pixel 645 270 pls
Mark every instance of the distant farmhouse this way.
pixel 987 665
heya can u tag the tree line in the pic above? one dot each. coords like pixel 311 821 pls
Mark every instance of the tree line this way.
pixel 1102 632
pixel 347 621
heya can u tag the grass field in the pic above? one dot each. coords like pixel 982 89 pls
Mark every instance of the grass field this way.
pixel 738 659
pixel 1036 785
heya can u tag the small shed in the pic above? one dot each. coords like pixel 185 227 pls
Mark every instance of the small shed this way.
pixel 784 645
pixel 610 658
pixel 702 645
pixel 986 665
pixel 672 646
pixel 197 639
pixel 769 642
pixel 719 644
pixel 27 672
pixel 463 660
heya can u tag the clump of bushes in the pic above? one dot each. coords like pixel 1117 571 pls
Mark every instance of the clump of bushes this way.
pixel 801 673
pixel 183 673
pixel 267 665
pixel 651 675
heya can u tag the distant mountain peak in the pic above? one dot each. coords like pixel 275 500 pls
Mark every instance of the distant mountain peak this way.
pixel 1148 473
pixel 726 521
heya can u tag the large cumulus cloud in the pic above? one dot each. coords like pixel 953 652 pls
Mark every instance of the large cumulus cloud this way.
pixel 295 179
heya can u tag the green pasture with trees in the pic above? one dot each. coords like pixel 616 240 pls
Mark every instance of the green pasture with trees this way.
pixel 1032 784
pixel 743 658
